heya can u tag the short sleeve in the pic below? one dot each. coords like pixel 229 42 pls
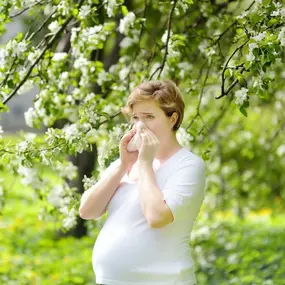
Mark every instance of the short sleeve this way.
pixel 184 190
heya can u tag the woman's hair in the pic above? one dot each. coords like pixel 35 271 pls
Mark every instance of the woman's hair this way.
pixel 164 93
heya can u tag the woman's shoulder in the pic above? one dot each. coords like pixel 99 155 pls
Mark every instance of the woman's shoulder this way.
pixel 187 156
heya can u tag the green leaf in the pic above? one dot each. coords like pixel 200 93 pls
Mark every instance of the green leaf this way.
pixel 19 37
pixel 272 21
pixel 266 2
pixel 242 82
pixel 125 10
pixel 246 103
pixel 243 110
pixel 75 12
pixel 206 155
pixel 239 31
pixel 3 108
pixel 227 73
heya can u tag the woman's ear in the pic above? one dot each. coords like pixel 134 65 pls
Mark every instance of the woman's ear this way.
pixel 174 118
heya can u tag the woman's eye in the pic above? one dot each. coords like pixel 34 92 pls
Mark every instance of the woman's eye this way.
pixel 148 116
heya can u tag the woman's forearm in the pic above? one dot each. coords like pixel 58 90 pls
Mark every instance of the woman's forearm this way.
pixel 151 197
pixel 95 199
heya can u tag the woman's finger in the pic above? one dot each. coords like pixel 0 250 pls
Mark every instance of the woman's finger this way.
pixel 144 139
pixel 153 138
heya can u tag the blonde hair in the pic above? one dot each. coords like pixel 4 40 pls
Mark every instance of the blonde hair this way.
pixel 165 94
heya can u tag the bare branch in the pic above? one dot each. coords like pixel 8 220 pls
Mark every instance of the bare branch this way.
pixel 28 8
pixel 167 41
pixel 43 24
pixel 223 93
pixel 200 98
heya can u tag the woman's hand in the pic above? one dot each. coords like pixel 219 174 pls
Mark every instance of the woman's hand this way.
pixel 149 147
pixel 127 158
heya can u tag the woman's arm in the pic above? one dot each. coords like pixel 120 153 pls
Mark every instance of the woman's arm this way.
pixel 95 200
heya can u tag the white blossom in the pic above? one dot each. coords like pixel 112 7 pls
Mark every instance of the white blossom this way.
pixel 22 146
pixel 183 137
pixel 233 259
pixel 124 73
pixel 88 182
pixel 126 42
pixel 34 55
pixel 49 8
pixel 63 79
pixel 3 55
pixel 29 116
pixel 111 6
pixel 259 37
pixel 257 82
pixel 70 220
pixel 184 5
pixel 1 131
pixel 63 7
pixel 281 150
pixel 27 86
pixel 66 169
pixel 202 46
pixel 281 36
pixel 55 195
pixel 102 77
pixel 54 26
pixel 275 13
pixel 30 176
pixel 59 56
pixel 126 23
pixel 71 113
pixel 91 36
pixel 172 52
pixel 164 36
pixel 211 51
pixel 242 15
pixel 71 132
pixel 241 95
pixel 250 56
pixel 21 48
pixel 81 63
pixel 17 49
pixel 84 11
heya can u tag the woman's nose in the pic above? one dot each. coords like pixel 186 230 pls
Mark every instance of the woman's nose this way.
pixel 140 124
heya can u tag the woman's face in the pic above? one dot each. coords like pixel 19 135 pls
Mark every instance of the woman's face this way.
pixel 153 117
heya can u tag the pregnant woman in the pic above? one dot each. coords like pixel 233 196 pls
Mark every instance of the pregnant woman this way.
pixel 153 194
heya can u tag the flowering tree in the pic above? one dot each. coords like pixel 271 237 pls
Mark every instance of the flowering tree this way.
pixel 85 56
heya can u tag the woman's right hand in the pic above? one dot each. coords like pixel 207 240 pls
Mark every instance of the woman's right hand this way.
pixel 127 158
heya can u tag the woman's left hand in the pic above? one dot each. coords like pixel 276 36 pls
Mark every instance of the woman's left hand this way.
pixel 149 147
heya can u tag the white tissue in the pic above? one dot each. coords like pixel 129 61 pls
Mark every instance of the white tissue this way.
pixel 136 141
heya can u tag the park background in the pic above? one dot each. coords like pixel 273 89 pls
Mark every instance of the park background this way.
pixel 64 77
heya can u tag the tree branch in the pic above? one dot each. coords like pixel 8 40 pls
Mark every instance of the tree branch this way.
pixel 200 99
pixel 223 93
pixel 25 9
pixel 49 44
pixel 167 41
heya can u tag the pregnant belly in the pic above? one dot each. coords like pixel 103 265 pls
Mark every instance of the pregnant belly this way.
pixel 124 249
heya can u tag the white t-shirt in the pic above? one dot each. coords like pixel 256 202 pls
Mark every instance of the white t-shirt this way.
pixel 128 252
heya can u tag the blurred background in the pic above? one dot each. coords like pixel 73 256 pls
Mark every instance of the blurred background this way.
pixel 66 69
